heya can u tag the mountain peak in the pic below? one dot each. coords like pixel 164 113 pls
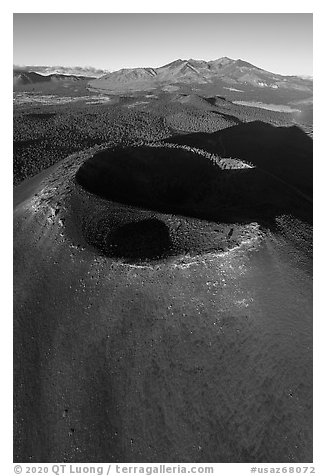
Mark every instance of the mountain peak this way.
pixel 223 59
pixel 177 62
pixel 220 62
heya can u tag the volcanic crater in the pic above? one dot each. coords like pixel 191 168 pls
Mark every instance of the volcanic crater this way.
pixel 138 197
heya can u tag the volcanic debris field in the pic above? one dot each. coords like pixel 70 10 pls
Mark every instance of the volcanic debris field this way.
pixel 162 281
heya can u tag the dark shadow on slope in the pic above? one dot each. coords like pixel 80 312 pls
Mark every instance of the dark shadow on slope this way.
pixel 216 100
pixel 26 143
pixel 137 241
pixel 40 115
pixel 228 117
pixel 147 239
pixel 285 152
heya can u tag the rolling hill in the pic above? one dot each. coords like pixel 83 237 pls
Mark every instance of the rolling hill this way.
pixel 23 78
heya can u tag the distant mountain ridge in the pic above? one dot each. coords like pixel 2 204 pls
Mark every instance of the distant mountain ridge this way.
pixel 192 71
pixel 87 71
pixel 21 77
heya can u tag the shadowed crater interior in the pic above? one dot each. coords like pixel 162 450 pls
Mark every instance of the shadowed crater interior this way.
pixel 169 180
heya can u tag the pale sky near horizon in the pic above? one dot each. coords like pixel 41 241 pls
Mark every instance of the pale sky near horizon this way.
pixel 278 42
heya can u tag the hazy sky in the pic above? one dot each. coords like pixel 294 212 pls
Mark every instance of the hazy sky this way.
pixel 281 43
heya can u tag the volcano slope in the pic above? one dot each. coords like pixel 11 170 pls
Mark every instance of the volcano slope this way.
pixel 162 311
